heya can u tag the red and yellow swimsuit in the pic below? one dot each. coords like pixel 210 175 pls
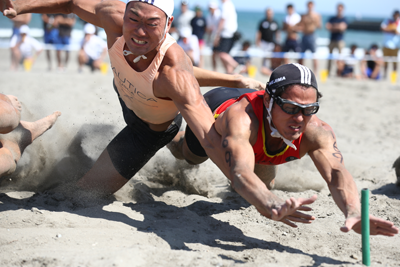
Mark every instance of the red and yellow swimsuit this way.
pixel 260 150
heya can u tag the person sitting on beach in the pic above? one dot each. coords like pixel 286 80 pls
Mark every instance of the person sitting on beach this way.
pixel 18 21
pixel 371 66
pixel 276 61
pixel 93 49
pixel 15 134
pixel 190 44
pixel 24 46
pixel 155 83
pixel 346 67
pixel 262 129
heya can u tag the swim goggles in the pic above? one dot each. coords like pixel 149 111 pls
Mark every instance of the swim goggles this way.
pixel 292 108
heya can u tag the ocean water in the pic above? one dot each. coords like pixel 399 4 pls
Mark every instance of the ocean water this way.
pixel 247 20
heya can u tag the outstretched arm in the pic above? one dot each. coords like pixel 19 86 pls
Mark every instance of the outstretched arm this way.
pixel 329 161
pixel 236 128
pixel 212 78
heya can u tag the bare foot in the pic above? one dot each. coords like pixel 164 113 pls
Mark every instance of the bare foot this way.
pixel 175 146
pixel 38 127
pixel 15 102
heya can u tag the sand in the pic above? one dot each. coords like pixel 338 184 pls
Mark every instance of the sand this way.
pixel 171 214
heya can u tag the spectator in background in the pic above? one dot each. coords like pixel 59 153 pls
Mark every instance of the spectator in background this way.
pixel 309 23
pixel 337 25
pixel 173 31
pixel 25 46
pixel 224 39
pixel 290 26
pixel 18 21
pixel 275 61
pixel 65 25
pixel 199 26
pixel 391 39
pixel 212 28
pixel 185 17
pixel 243 58
pixel 267 35
pixel 190 44
pixel 346 67
pixel 93 50
pixel 372 64
pixel 50 28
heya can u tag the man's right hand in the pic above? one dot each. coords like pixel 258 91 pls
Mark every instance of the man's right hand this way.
pixel 8 9
pixel 289 212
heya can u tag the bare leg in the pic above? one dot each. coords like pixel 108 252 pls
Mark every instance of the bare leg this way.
pixel 48 56
pixel 82 59
pixel 267 174
pixel 315 61
pixel 59 61
pixel 10 113
pixel 214 61
pixel 15 58
pixel 102 179
pixel 66 59
pixel 266 71
pixel 13 144
pixel 180 150
pixel 229 63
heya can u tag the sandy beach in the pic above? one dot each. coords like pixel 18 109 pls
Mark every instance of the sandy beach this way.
pixel 171 214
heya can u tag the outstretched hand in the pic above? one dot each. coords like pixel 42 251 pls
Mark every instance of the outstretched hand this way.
pixel 289 212
pixel 7 8
pixel 250 83
pixel 377 226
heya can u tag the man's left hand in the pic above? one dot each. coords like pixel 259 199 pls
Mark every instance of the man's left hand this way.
pixel 377 226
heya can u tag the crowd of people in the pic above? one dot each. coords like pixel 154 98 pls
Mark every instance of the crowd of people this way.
pixel 268 38
pixel 219 29
pixel 57 29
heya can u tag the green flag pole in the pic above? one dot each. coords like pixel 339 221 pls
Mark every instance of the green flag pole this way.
pixel 365 227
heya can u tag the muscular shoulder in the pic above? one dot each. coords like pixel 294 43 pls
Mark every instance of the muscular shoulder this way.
pixel 318 135
pixel 111 14
pixel 174 73
pixel 239 120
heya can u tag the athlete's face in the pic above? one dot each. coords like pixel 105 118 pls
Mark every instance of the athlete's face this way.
pixel 143 27
pixel 291 126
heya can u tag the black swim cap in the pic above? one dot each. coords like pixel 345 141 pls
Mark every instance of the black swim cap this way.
pixel 292 73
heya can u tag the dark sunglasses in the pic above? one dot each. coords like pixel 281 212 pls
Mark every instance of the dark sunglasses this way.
pixel 292 108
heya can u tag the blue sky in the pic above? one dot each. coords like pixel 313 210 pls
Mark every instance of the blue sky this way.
pixel 377 8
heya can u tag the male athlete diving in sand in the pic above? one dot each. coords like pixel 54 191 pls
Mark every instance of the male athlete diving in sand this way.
pixel 262 129
pixel 16 135
pixel 154 80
